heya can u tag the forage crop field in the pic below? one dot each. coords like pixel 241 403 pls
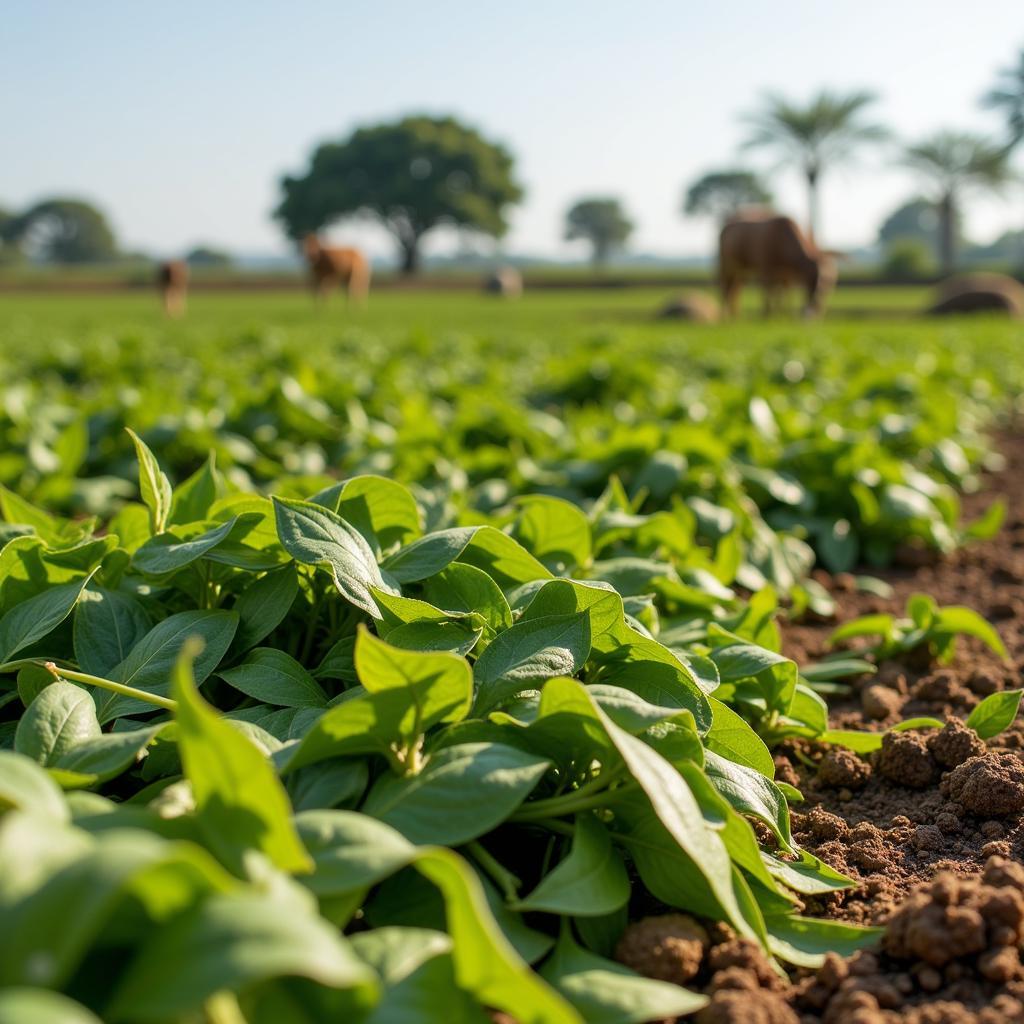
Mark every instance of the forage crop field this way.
pixel 394 666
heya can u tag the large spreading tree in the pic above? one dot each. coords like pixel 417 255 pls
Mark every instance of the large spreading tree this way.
pixel 412 175
pixel 62 231
pixel 602 222
pixel 719 194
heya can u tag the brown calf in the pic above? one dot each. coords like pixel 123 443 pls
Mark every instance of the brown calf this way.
pixel 172 282
pixel 344 266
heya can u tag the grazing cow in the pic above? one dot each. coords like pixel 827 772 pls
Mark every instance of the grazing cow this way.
pixel 774 251
pixel 979 293
pixel 348 268
pixel 172 281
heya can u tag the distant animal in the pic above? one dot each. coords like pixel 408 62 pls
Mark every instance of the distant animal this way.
pixel 692 307
pixel 346 267
pixel 505 281
pixel 979 293
pixel 172 282
pixel 774 251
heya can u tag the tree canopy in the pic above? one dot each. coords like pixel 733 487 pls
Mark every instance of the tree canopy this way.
pixel 411 175
pixel 62 230
pixel 814 136
pixel 1007 96
pixel 720 194
pixel 950 163
pixel 208 256
pixel 600 221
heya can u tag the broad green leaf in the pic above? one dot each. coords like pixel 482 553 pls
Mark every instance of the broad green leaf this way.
pixel 555 645
pixel 151 661
pixel 732 737
pixel 485 962
pixel 807 874
pixel 315 536
pixel 605 992
pixel 751 793
pixel 108 624
pixel 866 625
pixel 462 792
pixel 240 803
pixel 383 511
pixel 167 552
pixel 26 786
pixel 418 975
pixel 350 851
pixel 33 619
pixel 263 605
pixel 995 713
pixel 101 757
pixel 40 1006
pixel 805 941
pixel 60 718
pixel 590 881
pixel 273 677
pixel 504 559
pixel 959 620
pixel 464 588
pixel 566 597
pixel 775 675
pixel 228 942
pixel 555 531
pixel 193 498
pixel 429 555
pixel 154 486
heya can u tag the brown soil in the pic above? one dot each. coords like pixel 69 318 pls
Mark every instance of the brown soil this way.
pixel 931 826
pixel 927 801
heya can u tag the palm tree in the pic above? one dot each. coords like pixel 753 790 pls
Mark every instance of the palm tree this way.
pixel 822 133
pixel 1008 97
pixel 954 162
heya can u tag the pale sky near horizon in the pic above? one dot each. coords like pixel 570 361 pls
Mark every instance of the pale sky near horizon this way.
pixel 179 119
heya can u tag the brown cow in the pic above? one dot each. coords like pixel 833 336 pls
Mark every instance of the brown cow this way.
pixel 172 281
pixel 773 250
pixel 346 267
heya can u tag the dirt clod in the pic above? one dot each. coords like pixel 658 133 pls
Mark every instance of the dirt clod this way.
pixel 955 743
pixel 906 760
pixel 669 947
pixel 879 702
pixel 843 769
pixel 991 784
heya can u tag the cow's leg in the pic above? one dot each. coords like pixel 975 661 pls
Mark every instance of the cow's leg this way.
pixel 732 286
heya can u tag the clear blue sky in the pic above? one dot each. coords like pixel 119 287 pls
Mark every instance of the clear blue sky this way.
pixel 180 117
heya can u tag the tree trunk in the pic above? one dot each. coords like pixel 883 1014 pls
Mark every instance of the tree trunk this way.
pixel 947 233
pixel 411 256
pixel 602 249
pixel 812 203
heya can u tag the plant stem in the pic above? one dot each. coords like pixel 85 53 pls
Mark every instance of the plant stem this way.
pixel 222 1008
pixel 500 875
pixel 109 684
pixel 594 794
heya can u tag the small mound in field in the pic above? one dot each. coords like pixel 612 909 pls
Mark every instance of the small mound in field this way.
pixel 669 947
pixel 843 769
pixel 690 306
pixel 744 988
pixel 979 293
pixel 949 955
pixel 955 743
pixel 906 760
pixel 989 785
pixel 880 702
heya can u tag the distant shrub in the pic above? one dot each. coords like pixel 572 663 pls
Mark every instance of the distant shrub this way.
pixel 908 260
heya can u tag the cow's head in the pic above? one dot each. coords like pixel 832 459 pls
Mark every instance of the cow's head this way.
pixel 824 274
pixel 311 246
